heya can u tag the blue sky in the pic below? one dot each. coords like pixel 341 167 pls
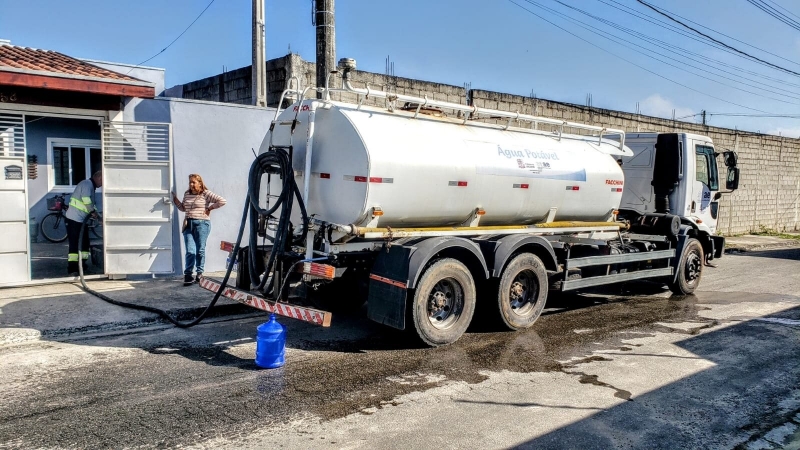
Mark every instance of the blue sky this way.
pixel 493 44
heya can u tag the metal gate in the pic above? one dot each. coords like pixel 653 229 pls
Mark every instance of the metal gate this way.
pixel 15 242
pixel 137 204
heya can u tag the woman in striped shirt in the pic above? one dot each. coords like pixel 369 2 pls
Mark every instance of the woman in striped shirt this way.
pixel 198 202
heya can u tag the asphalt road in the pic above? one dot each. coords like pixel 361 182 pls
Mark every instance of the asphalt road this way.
pixel 635 369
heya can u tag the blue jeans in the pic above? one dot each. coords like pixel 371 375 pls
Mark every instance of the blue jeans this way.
pixel 195 240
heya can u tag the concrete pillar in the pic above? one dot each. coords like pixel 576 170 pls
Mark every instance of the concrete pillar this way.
pixel 326 40
pixel 259 80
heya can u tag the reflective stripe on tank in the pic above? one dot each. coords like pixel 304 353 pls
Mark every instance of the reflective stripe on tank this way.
pixel 360 179
pixel 521 186
pixel 616 189
pixel 457 183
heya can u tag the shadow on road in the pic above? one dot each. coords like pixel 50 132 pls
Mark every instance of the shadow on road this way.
pixel 749 390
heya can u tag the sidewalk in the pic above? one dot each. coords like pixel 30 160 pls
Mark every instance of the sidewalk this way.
pixel 58 311
pixel 750 243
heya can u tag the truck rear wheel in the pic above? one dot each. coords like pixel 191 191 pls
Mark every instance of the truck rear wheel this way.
pixel 690 268
pixel 444 302
pixel 522 291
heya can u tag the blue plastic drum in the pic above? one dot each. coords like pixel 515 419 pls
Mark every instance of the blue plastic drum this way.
pixel 271 344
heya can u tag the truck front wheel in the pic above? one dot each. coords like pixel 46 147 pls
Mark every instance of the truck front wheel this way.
pixel 444 302
pixel 689 270
pixel 522 291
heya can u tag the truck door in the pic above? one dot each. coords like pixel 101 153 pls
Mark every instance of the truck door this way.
pixel 137 208
pixel 15 244
pixel 706 184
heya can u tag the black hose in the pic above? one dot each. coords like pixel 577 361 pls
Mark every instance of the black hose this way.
pixel 276 160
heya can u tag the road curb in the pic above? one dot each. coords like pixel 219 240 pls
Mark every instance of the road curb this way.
pixel 182 314
pixel 744 248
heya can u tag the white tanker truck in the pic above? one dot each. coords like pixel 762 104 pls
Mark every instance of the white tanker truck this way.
pixel 425 216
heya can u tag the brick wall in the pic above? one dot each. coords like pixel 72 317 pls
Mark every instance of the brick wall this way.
pixel 235 86
pixel 769 188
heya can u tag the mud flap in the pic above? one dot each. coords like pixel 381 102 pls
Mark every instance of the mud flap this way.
pixel 388 283
pixel 718 245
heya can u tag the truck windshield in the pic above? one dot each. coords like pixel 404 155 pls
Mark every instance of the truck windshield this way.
pixel 707 167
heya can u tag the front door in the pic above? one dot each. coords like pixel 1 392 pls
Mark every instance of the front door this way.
pixel 15 242
pixel 137 208
pixel 706 184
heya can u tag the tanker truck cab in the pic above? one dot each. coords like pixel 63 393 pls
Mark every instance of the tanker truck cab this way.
pixel 677 173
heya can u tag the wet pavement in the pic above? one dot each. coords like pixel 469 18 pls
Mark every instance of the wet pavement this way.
pixel 630 367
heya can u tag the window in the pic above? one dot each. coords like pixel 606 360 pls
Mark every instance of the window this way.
pixel 73 161
pixel 706 167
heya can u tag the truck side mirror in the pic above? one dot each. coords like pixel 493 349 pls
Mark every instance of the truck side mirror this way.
pixel 732 183
pixel 730 158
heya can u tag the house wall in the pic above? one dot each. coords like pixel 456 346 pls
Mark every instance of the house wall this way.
pixel 37 130
pixel 216 141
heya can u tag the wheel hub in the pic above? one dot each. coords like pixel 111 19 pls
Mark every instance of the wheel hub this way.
pixel 693 267
pixel 444 303
pixel 522 293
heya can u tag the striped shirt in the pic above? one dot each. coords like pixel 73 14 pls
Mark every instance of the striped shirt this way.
pixel 195 205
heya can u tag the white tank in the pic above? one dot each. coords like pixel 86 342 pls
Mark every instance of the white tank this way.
pixel 430 171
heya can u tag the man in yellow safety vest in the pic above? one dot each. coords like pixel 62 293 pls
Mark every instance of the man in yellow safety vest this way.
pixel 81 205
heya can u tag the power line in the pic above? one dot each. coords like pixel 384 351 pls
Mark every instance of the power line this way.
pixel 785 116
pixel 763 6
pixel 664 13
pixel 625 9
pixel 649 55
pixel 680 31
pixel 176 39
pixel 781 7
pixel 669 47
pixel 721 34
pixel 633 63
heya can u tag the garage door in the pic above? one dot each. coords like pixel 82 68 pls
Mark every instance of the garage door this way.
pixel 15 244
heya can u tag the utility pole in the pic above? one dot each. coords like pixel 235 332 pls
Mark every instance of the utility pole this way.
pixel 704 117
pixel 326 40
pixel 259 69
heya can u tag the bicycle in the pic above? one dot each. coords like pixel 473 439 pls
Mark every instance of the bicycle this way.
pixel 54 225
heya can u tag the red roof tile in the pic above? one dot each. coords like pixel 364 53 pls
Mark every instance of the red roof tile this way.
pixel 31 59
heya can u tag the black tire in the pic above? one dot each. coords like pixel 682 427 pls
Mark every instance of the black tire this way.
pixel 342 295
pixel 443 303
pixel 522 291
pixel 54 227
pixel 690 269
